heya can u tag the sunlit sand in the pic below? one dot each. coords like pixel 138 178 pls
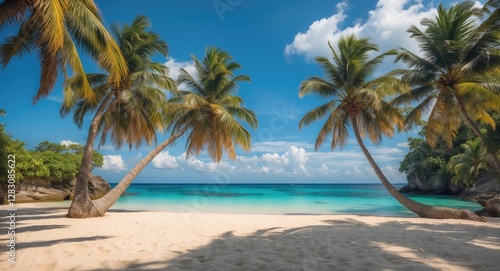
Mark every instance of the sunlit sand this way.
pixel 137 240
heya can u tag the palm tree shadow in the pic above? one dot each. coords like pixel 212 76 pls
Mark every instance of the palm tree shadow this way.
pixel 345 244
pixel 59 241
pixel 22 215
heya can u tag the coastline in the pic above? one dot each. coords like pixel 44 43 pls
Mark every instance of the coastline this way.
pixel 142 240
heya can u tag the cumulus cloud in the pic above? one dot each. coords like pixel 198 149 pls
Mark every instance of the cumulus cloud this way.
pixel 165 160
pixel 175 66
pixel 386 25
pixel 113 162
pixel 293 162
pixel 278 146
pixel 68 143
pixel 403 145
pixel 314 41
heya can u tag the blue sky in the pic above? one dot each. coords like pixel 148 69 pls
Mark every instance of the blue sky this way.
pixel 276 45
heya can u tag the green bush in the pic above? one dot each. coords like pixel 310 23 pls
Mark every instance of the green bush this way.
pixel 54 162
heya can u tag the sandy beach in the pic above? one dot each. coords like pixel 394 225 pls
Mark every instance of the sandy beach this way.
pixel 137 240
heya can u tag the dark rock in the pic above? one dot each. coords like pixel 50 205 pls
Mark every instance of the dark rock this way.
pixel 434 186
pixel 484 212
pixel 487 187
pixel 492 208
pixel 493 205
pixel 98 187
pixel 407 189
pixel 34 190
pixel 456 189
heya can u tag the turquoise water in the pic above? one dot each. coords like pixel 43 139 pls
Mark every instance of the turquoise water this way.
pixel 367 199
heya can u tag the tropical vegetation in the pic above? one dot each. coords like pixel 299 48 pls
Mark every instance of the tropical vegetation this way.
pixel 131 113
pixel 357 102
pixel 430 165
pixel 451 75
pixel 208 112
pixel 454 78
pixel 468 165
pixel 56 163
pixel 56 30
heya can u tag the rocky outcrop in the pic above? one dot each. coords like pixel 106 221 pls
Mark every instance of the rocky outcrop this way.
pixel 34 190
pixel 486 191
pixel 40 190
pixel 434 186
pixel 487 187
pixel 98 187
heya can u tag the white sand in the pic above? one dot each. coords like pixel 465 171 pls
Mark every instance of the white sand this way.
pixel 47 240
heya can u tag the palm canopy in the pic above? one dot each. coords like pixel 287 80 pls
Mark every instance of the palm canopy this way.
pixel 137 108
pixel 448 77
pixel 360 102
pixel 55 29
pixel 352 94
pixel 468 165
pixel 210 109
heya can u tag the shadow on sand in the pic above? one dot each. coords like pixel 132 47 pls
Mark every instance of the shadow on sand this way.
pixel 344 244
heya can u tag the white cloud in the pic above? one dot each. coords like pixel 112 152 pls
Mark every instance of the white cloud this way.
pixel 314 41
pixel 113 162
pixel 278 146
pixel 403 145
pixel 292 162
pixel 164 160
pixel 174 67
pixel 68 143
pixel 386 26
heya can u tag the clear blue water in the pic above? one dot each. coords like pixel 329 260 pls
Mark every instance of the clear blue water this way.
pixel 367 199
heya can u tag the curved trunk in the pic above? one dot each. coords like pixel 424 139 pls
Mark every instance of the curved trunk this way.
pixel 420 209
pixel 474 128
pixel 100 206
pixel 81 205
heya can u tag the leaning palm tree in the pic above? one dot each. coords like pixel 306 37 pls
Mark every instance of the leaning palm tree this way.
pixel 491 6
pixel 208 112
pixel 54 29
pixel 360 103
pixel 130 114
pixel 450 75
pixel 468 165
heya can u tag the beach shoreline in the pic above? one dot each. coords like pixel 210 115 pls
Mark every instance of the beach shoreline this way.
pixel 152 240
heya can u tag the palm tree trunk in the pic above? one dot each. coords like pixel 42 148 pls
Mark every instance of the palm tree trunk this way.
pixel 82 204
pixel 100 206
pixel 478 133
pixel 420 209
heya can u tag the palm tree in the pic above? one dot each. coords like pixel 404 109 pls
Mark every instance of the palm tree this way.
pixel 54 29
pixel 467 166
pixel 491 6
pixel 130 114
pixel 449 75
pixel 360 103
pixel 208 112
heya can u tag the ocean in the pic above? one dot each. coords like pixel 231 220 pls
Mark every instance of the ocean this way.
pixel 364 199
